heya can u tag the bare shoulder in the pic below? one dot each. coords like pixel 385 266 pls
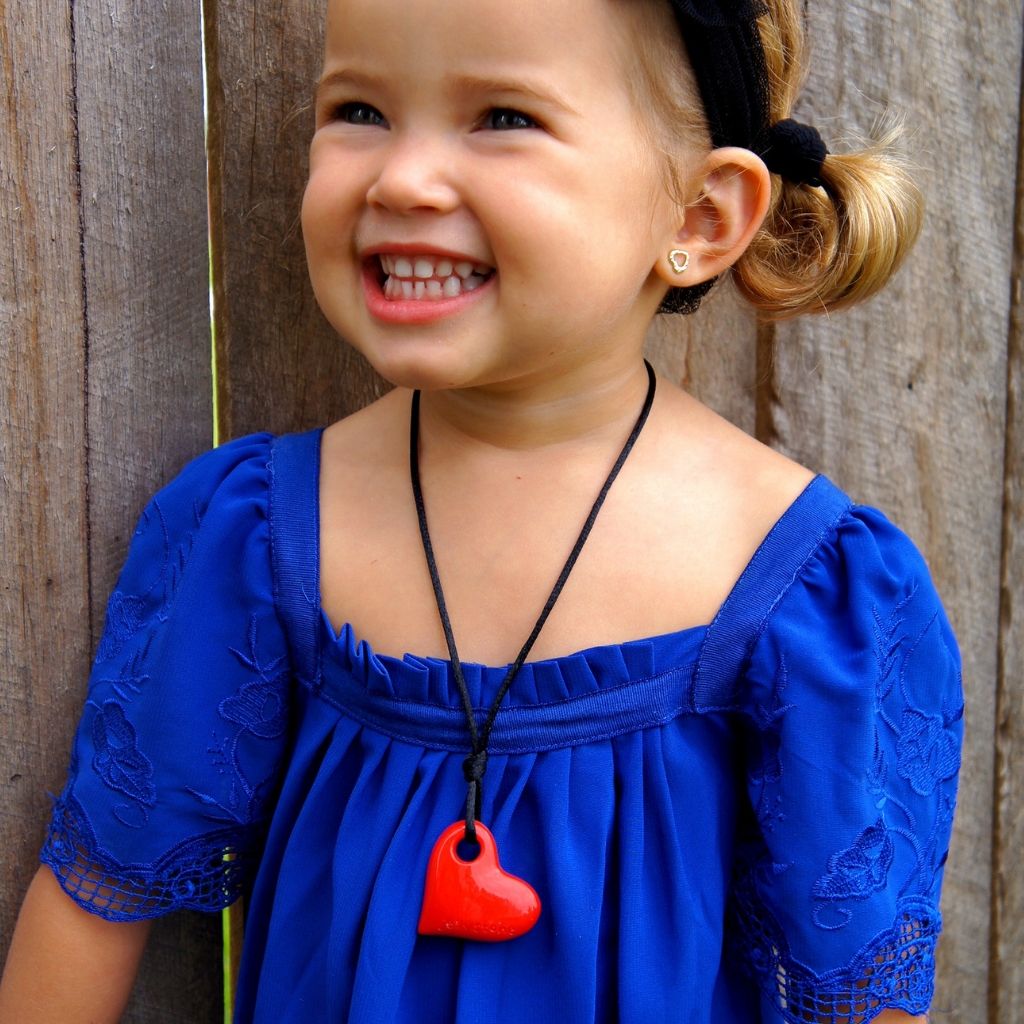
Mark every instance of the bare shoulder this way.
pixel 759 483
pixel 745 485
pixel 695 501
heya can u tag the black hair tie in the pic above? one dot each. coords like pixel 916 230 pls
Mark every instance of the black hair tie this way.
pixel 796 151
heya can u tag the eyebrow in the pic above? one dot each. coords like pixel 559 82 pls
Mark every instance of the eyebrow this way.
pixel 345 77
pixel 460 83
pixel 513 87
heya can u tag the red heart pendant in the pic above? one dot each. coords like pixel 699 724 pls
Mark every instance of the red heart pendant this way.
pixel 474 899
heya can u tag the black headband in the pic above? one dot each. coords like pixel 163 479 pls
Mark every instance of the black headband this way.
pixel 724 48
pixel 725 52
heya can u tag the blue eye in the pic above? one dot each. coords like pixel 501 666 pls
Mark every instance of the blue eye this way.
pixel 357 112
pixel 503 119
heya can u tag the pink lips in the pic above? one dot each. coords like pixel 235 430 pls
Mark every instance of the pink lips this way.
pixel 414 311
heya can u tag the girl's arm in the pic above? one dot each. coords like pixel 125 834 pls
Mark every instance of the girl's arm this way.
pixel 66 964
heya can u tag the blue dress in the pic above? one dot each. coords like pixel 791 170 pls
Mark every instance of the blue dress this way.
pixel 737 822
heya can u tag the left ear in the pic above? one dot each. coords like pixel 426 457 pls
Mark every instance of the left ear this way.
pixel 735 190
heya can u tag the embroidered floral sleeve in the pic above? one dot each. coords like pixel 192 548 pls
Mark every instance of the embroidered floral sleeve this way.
pixel 854 723
pixel 175 759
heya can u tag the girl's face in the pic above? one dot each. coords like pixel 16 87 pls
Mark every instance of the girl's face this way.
pixel 486 151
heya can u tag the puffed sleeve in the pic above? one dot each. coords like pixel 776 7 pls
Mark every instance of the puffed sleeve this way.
pixel 853 724
pixel 176 754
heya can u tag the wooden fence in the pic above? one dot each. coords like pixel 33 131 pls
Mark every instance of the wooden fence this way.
pixel 911 403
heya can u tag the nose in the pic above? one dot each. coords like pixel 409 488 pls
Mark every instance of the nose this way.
pixel 415 175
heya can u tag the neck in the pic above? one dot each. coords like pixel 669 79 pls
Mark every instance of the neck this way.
pixel 536 416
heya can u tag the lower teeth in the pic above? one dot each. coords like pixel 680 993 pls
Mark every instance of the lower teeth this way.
pixel 403 288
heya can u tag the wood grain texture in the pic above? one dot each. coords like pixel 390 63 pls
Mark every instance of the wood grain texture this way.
pixel 902 401
pixel 280 364
pixel 149 396
pixel 43 513
pixel 1006 977
pixel 145 252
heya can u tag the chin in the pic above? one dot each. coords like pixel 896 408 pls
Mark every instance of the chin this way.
pixel 421 365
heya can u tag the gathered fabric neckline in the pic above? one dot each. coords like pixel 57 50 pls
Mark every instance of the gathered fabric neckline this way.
pixel 556 702
pixel 347 634
pixel 430 681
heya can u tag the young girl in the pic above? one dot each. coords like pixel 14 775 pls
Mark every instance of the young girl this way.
pixel 679 732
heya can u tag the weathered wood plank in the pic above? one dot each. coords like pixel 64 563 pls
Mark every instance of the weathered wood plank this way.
pixel 280 364
pixel 43 514
pixel 1006 995
pixel 149 401
pixel 901 402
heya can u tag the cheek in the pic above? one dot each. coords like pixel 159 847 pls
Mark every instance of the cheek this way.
pixel 332 189
pixel 326 221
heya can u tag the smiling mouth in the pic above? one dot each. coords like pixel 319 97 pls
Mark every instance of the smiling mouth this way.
pixel 428 278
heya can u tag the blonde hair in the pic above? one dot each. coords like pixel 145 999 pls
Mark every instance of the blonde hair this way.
pixel 819 249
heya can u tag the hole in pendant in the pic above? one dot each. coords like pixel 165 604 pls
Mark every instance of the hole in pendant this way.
pixel 468 849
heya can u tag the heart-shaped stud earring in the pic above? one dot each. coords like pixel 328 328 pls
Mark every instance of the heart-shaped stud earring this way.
pixel 474 899
pixel 680 260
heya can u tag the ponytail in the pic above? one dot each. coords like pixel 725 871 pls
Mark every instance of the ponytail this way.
pixel 823 249
pixel 820 248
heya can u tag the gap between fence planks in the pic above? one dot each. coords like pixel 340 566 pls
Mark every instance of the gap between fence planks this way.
pixel 106 325
pixel 1006 975
pixel 280 364
pixel 143 178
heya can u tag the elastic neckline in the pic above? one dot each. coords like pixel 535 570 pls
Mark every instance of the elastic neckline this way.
pixel 347 634
pixel 557 703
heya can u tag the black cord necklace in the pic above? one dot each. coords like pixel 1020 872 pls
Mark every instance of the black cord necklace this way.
pixel 476 899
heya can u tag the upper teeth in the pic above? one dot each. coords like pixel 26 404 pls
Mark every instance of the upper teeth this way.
pixel 430 277
pixel 425 267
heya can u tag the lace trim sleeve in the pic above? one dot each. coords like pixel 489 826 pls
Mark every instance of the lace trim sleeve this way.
pixel 204 872
pixel 894 970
